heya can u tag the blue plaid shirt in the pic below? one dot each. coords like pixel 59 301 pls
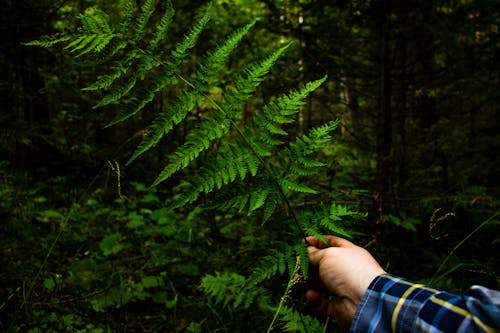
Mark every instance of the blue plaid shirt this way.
pixel 393 304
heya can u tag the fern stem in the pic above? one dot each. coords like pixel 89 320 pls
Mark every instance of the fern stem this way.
pixel 291 282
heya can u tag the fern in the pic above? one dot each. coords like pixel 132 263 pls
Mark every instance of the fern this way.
pixel 253 165
pixel 166 121
pixel 280 260
pixel 232 290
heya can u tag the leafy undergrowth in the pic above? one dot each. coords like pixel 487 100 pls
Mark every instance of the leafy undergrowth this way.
pixel 110 263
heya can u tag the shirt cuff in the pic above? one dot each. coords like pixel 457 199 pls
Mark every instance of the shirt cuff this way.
pixel 390 304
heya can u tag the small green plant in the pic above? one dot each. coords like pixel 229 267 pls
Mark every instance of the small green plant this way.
pixel 241 162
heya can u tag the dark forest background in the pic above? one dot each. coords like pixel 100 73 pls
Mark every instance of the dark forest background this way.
pixel 415 85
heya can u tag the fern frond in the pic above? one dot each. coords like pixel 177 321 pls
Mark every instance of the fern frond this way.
pixel 272 203
pixel 257 199
pixel 197 141
pixel 232 290
pixel 144 96
pixel 330 226
pixel 270 265
pixel 129 10
pixel 162 27
pixel 223 286
pixel 96 43
pixel 296 322
pixel 216 61
pixel 329 220
pixel 105 81
pixel 47 41
pixel 291 185
pixel 118 93
pixel 95 21
pixel 279 260
pixel 340 212
pixel 290 104
pixel 246 85
pixel 201 137
pixel 300 250
pixel 181 51
pixel 233 161
pixel 268 125
pixel 146 10
pixel 95 35
pixel 164 123
pixel 299 171
pixel 112 49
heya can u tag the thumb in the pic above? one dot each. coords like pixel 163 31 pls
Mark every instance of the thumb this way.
pixel 315 255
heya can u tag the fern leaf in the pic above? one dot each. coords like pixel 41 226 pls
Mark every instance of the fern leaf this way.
pixel 146 10
pixel 189 42
pixel 121 68
pixel 332 227
pixel 246 85
pixel 310 163
pixel 113 48
pixel 216 60
pixel 320 135
pixel 165 122
pixel 296 187
pixel 144 96
pixel 272 264
pixel 186 102
pixel 97 44
pixel 197 141
pixel 75 42
pixel 87 43
pixel 271 205
pixel 118 93
pixel 231 289
pixel 294 321
pixel 129 9
pixel 162 27
pixel 300 250
pixel 162 124
pixel 338 212
pixel 47 42
pixel 95 21
pixel 259 142
pixel 222 286
pixel 273 113
pixel 231 162
pixel 296 170
pixel 290 104
pixel 105 81
pixel 268 125
pixel 253 164
pixel 257 199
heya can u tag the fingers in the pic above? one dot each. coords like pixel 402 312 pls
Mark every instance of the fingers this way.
pixel 332 240
pixel 315 255
pixel 323 305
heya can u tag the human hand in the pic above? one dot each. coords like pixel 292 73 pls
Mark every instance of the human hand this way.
pixel 344 271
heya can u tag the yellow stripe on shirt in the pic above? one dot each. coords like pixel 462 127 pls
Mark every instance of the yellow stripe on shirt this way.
pixel 462 312
pixel 401 302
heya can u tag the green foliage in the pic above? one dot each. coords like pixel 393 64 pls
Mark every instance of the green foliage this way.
pixel 239 160
pixel 228 152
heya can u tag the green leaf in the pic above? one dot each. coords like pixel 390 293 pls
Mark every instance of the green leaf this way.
pixel 49 284
pixel 111 244
pixel 151 281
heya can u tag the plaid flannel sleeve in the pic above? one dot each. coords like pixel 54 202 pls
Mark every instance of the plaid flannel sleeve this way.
pixel 393 304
